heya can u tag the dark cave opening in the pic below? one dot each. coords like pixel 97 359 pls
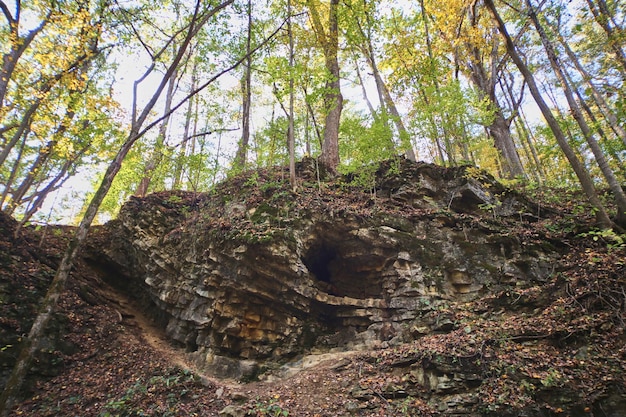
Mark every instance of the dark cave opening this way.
pixel 344 269
pixel 318 261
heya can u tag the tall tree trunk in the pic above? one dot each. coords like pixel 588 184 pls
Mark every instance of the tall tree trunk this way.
pixel 609 175
pixel 386 99
pixel 185 143
pixel 333 101
pixel 485 78
pixel 405 137
pixel 606 111
pixel 157 152
pixel 382 118
pixel 370 107
pixel 531 154
pixel 23 127
pixel 598 127
pixel 447 144
pixel 307 135
pixel 523 130
pixel 193 179
pixel 582 174
pixel 54 184
pixel 290 133
pixel 500 131
pixel 242 151
pixel 46 84
pixel 42 157
pixel 530 138
pixel 9 182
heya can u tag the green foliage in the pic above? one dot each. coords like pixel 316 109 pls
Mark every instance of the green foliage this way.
pixel 253 180
pixel 270 142
pixel 270 408
pixel 427 58
pixel 608 237
pixel 174 199
pixel 364 142
pixel 58 103
pixel 175 383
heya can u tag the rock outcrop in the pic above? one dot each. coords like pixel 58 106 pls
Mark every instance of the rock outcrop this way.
pixel 255 273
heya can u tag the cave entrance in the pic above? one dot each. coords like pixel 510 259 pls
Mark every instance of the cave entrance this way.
pixel 345 269
pixel 319 260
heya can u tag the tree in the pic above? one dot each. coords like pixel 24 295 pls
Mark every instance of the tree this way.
pixel 581 172
pixel 476 48
pixel 616 188
pixel 333 100
pixel 442 111
pixel 54 102
pixel 18 44
pixel 291 134
pixel 246 90
pixel 362 18
pixel 605 17
pixel 157 152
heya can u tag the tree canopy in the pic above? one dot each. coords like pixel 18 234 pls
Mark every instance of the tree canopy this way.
pixel 532 92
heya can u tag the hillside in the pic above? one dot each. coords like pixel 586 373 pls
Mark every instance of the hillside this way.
pixel 410 289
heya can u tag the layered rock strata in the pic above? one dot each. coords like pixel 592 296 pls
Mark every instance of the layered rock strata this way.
pixel 255 273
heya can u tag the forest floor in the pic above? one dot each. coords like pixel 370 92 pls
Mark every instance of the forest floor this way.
pixel 564 338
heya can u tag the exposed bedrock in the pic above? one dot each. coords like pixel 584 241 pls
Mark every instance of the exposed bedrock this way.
pixel 255 273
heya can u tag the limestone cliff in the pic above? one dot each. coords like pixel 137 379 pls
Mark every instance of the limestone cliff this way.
pixel 255 273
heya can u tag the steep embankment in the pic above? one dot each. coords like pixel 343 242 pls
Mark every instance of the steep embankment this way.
pixel 430 291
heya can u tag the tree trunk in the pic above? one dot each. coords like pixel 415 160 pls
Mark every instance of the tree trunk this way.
pixel 582 174
pixel 157 152
pixel 333 101
pixel 500 131
pixel 18 46
pixel 177 181
pixel 46 86
pixel 9 182
pixel 364 91
pixel 614 185
pixel 311 112
pixel 500 128
pixel 523 130
pixel 405 137
pixel 22 129
pixel 242 151
pixel 42 158
pixel 598 127
pixel 54 184
pixel 386 100
pixel 290 133
pixel 447 144
pixel 384 117
pixel 531 153
pixel 607 112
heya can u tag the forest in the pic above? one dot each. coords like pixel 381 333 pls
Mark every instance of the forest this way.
pixel 107 99
pixel 102 100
